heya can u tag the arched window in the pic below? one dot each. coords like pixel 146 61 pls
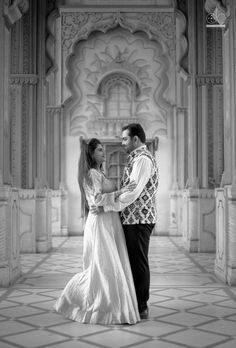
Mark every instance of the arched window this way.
pixel 118 92
pixel 119 102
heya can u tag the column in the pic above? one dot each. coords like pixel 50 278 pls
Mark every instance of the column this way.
pixel 41 167
pixel 231 259
pixel 43 220
pixel 64 211
pixel 10 268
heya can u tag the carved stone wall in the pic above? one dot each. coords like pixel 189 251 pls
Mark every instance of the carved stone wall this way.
pixel 117 51
pixel 10 267
pixel 27 221
pixel 94 51
pixel 23 82
pixel 54 128
pixel 108 59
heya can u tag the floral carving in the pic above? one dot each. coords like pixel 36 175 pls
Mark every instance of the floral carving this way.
pixel 23 79
pixel 100 64
pixel 209 80
pixel 77 26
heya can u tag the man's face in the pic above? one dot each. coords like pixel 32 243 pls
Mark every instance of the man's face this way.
pixel 127 141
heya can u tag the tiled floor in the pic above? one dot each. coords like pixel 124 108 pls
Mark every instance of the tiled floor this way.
pixel 189 307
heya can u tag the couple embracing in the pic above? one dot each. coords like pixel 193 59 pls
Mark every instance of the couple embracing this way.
pixel 114 285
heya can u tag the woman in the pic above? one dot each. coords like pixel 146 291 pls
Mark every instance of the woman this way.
pixel 104 292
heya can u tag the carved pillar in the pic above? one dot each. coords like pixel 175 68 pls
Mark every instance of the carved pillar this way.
pixel 210 113
pixel 27 221
pixel 22 120
pixel 54 126
pixel 43 220
pixel 231 262
pixel 64 211
pixel 10 12
pixel 56 212
pixel 229 85
pixel 191 240
pixel 180 175
pixel 221 241
pixel 225 262
pixel 192 95
pixel 173 229
pixel 9 235
pixel 199 224
pixel 41 167
pixel 4 94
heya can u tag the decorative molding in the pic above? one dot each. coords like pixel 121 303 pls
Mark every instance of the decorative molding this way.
pixel 181 56
pixel 202 80
pixel 110 127
pixel 14 137
pixel 119 56
pixel 219 133
pixel 26 194
pixel 3 231
pixel 210 134
pixel 24 136
pixel 114 78
pixel 53 110
pixel 15 11
pixel 182 109
pixel 23 79
pixel 51 37
pixel 27 57
pixel 78 26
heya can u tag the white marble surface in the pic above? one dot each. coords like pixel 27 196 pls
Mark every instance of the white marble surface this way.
pixel 189 307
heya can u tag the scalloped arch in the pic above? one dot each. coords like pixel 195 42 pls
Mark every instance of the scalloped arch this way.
pixel 159 27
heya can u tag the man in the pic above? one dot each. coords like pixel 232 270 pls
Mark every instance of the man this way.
pixel 138 209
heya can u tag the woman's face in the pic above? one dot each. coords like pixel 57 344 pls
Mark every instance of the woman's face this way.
pixel 99 155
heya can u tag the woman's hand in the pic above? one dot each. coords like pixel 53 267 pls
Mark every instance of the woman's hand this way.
pixel 129 188
pixel 95 210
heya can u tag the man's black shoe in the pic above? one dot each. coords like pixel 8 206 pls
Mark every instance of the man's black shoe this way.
pixel 144 314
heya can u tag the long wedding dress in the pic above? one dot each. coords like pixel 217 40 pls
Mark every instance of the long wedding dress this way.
pixel 104 292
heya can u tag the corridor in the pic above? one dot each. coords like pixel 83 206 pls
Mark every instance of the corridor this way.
pixel 189 307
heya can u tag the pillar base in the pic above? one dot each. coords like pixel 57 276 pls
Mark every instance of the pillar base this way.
pixel 8 276
pixel 64 231
pixel 43 246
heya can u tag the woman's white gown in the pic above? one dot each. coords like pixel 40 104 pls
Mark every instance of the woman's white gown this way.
pixel 104 292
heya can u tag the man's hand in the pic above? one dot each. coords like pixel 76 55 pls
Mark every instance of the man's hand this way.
pixel 96 210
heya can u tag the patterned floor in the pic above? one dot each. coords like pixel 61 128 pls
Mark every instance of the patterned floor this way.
pixel 189 307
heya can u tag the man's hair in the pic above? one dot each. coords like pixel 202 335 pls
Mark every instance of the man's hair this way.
pixel 135 129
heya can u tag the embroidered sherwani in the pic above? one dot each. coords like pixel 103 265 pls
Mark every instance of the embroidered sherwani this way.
pixel 138 216
pixel 139 205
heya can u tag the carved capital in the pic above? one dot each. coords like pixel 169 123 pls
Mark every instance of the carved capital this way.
pixel 23 79
pixel 78 26
pixel 54 110
pixel 15 11
pixel 209 80
pixel 182 110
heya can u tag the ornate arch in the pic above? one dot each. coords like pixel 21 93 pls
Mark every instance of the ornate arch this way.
pixel 158 24
pixel 77 26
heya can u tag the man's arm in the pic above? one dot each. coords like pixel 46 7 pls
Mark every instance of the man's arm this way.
pixel 141 172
